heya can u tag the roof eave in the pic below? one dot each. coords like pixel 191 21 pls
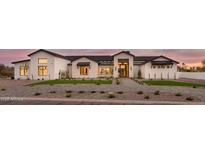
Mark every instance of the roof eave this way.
pixel 20 61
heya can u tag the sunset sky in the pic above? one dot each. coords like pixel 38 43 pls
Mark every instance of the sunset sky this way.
pixel 188 56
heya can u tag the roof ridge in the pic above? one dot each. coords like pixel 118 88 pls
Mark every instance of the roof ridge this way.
pixel 85 55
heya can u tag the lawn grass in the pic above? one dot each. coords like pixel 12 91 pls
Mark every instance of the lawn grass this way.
pixel 172 83
pixel 53 82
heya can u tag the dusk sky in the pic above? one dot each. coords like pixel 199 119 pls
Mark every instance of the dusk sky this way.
pixel 188 56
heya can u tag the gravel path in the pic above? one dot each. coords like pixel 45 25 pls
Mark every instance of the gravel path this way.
pixel 128 86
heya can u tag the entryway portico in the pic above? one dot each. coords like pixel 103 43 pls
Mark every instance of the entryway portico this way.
pixel 123 64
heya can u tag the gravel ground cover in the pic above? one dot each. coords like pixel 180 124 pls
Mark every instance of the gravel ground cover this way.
pixel 127 86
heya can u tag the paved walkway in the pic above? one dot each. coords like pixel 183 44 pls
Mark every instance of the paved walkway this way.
pixel 126 82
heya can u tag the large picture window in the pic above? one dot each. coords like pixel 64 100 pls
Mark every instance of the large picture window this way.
pixel 105 71
pixel 42 71
pixel 42 61
pixel 83 70
pixel 23 70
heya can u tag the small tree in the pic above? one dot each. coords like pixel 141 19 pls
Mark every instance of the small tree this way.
pixel 6 71
pixel 139 74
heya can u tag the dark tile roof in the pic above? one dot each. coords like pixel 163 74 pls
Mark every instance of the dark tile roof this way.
pixel 145 58
pixel 110 58
pixel 138 60
pixel 49 52
pixel 126 52
pixel 20 61
pixel 94 58
pixel 162 62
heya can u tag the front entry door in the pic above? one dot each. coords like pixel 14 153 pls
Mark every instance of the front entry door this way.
pixel 123 69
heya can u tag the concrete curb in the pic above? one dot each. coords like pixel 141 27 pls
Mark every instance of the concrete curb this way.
pixel 107 101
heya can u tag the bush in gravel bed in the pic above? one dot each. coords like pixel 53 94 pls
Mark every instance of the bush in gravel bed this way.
pixel 139 82
pixel 68 95
pixel 68 91
pixel 157 92
pixel 194 86
pixel 178 94
pixel 81 92
pixel 120 92
pixel 102 92
pixel 117 81
pixel 140 92
pixel 111 95
pixel 97 83
pixel 189 98
pixel 93 91
pixel 3 89
pixel 52 92
pixel 37 94
pixel 146 96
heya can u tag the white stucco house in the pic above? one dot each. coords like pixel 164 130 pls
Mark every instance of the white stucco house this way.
pixel 47 65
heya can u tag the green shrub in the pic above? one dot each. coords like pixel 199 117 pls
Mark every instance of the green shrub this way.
pixel 140 92
pixel 93 91
pixel 81 92
pixel 146 96
pixel 111 95
pixel 51 84
pixel 117 81
pixel 52 92
pixel 97 83
pixel 194 86
pixel 120 92
pixel 139 74
pixel 189 98
pixel 68 91
pixel 102 92
pixel 68 95
pixel 178 94
pixel 3 89
pixel 157 92
pixel 37 94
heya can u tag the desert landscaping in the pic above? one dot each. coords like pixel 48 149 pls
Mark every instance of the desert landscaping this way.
pixel 129 90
